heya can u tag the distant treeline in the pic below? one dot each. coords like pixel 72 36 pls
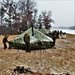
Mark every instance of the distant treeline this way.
pixel 72 27
pixel 63 27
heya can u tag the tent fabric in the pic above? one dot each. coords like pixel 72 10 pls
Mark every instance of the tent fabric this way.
pixel 18 42
pixel 45 31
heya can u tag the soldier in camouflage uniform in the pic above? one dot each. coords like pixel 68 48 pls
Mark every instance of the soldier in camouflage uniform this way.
pixel 54 37
pixel 27 41
pixel 5 40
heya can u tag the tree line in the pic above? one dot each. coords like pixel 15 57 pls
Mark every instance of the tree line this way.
pixel 22 14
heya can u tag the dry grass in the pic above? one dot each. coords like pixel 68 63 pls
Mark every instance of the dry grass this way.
pixel 59 60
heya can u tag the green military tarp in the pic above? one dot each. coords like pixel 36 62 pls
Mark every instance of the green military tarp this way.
pixel 38 41
pixel 45 31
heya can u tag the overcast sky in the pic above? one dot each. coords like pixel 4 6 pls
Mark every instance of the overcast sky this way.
pixel 62 11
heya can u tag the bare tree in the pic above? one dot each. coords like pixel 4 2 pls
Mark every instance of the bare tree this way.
pixel 46 19
pixel 2 11
pixel 26 8
pixel 40 21
pixel 12 19
pixel 8 6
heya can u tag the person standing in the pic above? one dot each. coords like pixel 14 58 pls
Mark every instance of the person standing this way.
pixel 5 41
pixel 54 38
pixel 27 41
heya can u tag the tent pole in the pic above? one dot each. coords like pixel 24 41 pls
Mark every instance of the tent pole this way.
pixel 32 29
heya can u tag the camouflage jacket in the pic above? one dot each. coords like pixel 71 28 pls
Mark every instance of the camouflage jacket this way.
pixel 27 38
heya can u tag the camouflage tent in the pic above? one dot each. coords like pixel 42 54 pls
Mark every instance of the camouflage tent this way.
pixel 38 41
